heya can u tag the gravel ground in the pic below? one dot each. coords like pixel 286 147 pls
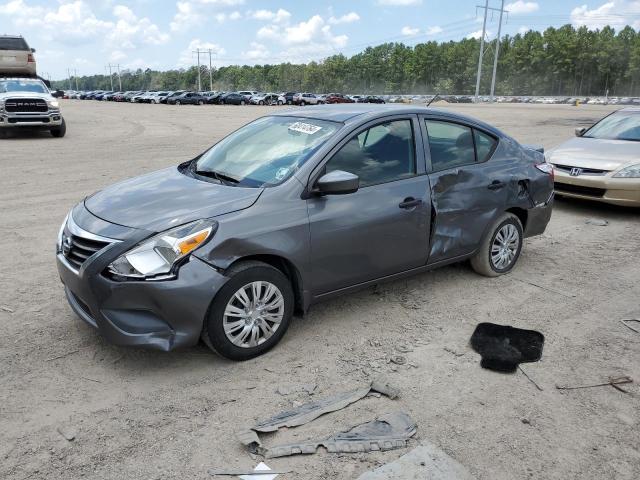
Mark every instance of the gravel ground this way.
pixel 146 415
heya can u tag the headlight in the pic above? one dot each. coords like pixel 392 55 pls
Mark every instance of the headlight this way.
pixel 158 256
pixel 630 172
pixel 60 232
pixel 54 103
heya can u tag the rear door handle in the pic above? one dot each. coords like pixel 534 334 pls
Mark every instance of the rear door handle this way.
pixel 496 185
pixel 410 202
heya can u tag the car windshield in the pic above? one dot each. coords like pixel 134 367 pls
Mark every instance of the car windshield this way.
pixel 619 126
pixel 35 86
pixel 266 151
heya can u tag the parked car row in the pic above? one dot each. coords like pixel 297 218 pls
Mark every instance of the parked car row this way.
pixel 243 97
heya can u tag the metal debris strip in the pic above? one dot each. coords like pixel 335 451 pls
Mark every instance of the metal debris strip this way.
pixel 262 472
pixel 310 411
pixel 386 432
pixel 626 322
pixel 614 382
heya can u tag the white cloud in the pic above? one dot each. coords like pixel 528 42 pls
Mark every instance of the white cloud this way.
pixel 258 51
pixel 522 30
pixel 281 16
pixel 129 30
pixel 399 3
pixel 348 18
pixel 410 31
pixel 615 13
pixel 520 7
pixel 478 34
pixel 117 56
pixel 192 13
pixel 188 58
pixel 433 30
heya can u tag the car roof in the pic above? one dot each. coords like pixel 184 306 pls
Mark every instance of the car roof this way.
pixel 361 112
pixel 629 109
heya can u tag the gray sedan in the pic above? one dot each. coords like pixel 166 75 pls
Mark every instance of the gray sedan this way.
pixel 291 209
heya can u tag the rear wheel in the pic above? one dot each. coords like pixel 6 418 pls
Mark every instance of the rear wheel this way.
pixel 260 102
pixel 250 313
pixel 501 248
pixel 60 131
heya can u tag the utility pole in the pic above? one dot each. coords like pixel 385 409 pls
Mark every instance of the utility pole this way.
pixel 116 66
pixel 484 29
pixel 197 52
pixel 486 9
pixel 69 75
pixel 495 58
pixel 75 74
pixel 110 75
pixel 210 73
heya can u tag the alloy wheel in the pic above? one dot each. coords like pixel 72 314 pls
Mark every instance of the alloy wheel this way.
pixel 505 246
pixel 253 314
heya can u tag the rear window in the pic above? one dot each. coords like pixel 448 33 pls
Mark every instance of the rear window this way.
pixel 7 43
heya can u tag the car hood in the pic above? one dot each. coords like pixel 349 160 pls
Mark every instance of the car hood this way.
pixel 596 153
pixel 165 199
pixel 44 96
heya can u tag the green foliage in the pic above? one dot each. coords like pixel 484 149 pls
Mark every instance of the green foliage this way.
pixel 558 61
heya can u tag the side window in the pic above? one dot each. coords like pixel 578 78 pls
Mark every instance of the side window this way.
pixel 451 145
pixel 485 145
pixel 380 154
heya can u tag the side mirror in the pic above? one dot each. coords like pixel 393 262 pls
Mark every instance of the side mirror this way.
pixel 33 50
pixel 580 131
pixel 338 182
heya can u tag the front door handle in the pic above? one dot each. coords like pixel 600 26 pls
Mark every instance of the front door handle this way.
pixel 409 203
pixel 496 185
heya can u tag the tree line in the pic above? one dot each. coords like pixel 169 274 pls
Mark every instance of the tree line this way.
pixel 558 61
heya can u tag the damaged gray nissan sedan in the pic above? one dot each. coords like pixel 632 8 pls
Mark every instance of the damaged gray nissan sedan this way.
pixel 291 209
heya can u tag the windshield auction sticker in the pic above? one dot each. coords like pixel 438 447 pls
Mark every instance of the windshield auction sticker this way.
pixel 304 128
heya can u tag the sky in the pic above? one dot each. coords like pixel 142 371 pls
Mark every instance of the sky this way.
pixel 88 35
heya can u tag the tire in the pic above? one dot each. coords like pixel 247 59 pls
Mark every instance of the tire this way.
pixel 289 102
pixel 280 102
pixel 221 102
pixel 260 102
pixel 242 102
pixel 60 131
pixel 242 277
pixel 178 102
pixel 302 103
pixel 483 262
pixel 200 102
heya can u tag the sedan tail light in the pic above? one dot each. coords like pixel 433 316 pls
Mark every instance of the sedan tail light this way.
pixel 546 168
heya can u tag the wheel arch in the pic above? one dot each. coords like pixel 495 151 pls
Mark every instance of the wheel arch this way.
pixel 288 269
pixel 522 215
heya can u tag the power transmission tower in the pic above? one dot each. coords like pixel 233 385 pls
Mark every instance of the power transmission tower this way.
pixel 495 58
pixel 117 66
pixel 484 29
pixel 486 9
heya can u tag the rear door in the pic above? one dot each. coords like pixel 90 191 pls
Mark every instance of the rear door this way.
pixel 383 228
pixel 469 187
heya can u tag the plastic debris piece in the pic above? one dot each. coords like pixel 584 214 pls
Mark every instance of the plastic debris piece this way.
pixel 386 432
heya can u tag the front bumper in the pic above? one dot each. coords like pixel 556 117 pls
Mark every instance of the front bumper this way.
pixel 47 120
pixel 160 315
pixel 599 188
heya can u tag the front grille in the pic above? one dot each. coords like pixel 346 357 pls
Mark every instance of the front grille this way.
pixel 78 249
pixel 583 171
pixel 579 189
pixel 25 105
pixel 29 120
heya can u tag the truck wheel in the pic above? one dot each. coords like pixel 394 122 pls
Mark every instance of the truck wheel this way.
pixel 60 131
pixel 250 313
pixel 501 247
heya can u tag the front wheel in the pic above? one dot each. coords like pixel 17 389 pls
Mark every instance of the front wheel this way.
pixel 250 313
pixel 501 248
pixel 60 131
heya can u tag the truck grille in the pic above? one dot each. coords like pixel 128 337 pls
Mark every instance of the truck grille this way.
pixel 25 105
pixel 579 189
pixel 78 249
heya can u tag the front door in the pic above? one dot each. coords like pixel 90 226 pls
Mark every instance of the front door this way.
pixel 381 229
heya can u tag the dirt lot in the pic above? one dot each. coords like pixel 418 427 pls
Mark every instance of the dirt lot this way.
pixel 148 415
